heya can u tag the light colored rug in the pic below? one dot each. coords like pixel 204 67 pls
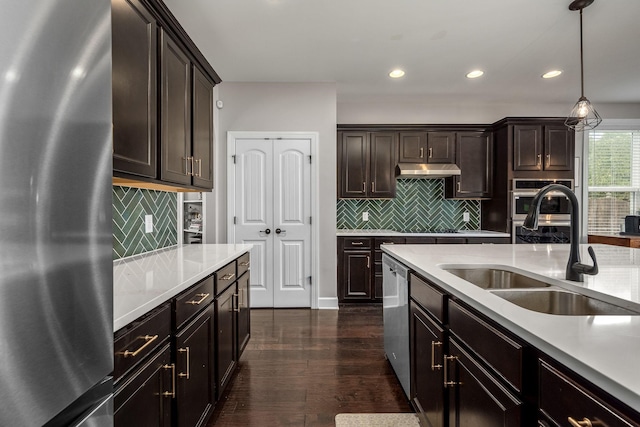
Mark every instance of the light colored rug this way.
pixel 377 420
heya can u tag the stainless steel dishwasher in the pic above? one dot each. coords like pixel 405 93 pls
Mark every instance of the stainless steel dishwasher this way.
pixel 395 309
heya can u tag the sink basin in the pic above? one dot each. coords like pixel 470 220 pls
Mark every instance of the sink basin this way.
pixel 495 278
pixel 553 301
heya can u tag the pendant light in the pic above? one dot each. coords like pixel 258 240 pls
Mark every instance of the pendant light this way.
pixel 583 116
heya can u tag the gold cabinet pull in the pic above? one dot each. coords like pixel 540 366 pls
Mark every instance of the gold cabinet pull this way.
pixel 199 162
pixel 458 186
pixel 186 165
pixel 357 243
pixel 228 276
pixel 421 153
pixel 202 298
pixel 433 355
pixel 586 422
pixel 373 187
pixel 446 361
pixel 539 159
pixel 171 393
pixel 364 187
pixel 430 152
pixel 245 263
pixel 185 350
pixel 148 340
pixel 368 262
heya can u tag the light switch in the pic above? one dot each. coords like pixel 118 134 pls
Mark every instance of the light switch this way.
pixel 148 223
pixel 365 216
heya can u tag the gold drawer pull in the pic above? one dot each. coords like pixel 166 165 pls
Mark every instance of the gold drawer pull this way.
pixel 245 263
pixel 185 350
pixel 586 422
pixel 445 363
pixel 171 393
pixel 357 243
pixel 228 276
pixel 148 340
pixel 202 298
pixel 433 355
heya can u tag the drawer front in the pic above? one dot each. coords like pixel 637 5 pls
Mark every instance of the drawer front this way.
pixel 357 243
pixel 430 298
pixel 561 398
pixel 138 339
pixel 497 349
pixel 420 240
pixel 190 302
pixel 388 241
pixel 244 262
pixel 225 276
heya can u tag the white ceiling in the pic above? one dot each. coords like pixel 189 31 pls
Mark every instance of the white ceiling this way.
pixel 355 43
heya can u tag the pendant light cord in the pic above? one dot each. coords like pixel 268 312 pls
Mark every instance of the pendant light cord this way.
pixel 581 60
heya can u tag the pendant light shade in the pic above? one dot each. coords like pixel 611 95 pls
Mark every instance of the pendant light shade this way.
pixel 583 116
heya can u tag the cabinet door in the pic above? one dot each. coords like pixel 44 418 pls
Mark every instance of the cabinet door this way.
pixel 441 147
pixel 383 148
pixel 134 40
pixel 244 313
pixel 194 370
pixel 225 339
pixel 413 147
pixel 558 148
pixel 474 157
pixel 202 130
pixel 175 103
pixel 527 147
pixel 476 399
pixel 145 397
pixel 353 167
pixel 427 381
pixel 356 274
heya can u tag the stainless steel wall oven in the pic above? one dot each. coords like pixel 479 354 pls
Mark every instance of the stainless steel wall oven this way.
pixel 555 211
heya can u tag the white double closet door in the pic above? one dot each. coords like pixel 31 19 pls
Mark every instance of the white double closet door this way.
pixel 273 213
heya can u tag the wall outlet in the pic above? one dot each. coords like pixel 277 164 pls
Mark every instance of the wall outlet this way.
pixel 465 216
pixel 365 216
pixel 148 223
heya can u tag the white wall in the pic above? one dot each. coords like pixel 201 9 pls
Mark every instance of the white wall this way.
pixel 279 107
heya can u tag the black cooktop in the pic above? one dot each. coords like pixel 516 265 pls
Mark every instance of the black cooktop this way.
pixel 433 230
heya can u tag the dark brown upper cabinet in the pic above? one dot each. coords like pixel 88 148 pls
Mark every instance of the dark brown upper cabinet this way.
pixel 177 163
pixel 134 59
pixel 366 164
pixel 474 157
pixel 427 147
pixel 162 99
pixel 542 148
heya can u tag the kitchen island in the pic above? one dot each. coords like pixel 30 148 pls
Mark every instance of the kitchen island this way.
pixel 603 349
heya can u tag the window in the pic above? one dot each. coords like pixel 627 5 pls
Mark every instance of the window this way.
pixel 614 179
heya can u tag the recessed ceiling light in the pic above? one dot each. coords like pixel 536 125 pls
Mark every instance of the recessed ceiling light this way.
pixel 397 73
pixel 475 74
pixel 551 74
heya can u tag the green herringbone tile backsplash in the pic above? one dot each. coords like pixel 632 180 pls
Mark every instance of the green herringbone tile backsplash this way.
pixel 130 205
pixel 419 204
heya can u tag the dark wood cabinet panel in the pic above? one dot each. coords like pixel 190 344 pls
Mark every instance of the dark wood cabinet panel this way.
pixel 134 88
pixel 244 313
pixel 383 162
pixel 542 147
pixel 145 398
pixel 175 105
pixel 357 275
pixel 427 340
pixel 475 397
pixel 474 157
pixel 225 339
pixel 527 147
pixel 413 147
pixel 353 168
pixel 558 148
pixel 194 370
pixel 202 130
pixel 441 147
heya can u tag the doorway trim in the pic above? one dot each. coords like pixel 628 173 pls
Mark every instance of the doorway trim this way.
pixel 313 137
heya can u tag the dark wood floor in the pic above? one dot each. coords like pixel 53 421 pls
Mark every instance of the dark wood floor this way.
pixel 302 367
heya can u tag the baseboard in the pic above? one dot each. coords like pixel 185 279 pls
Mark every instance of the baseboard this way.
pixel 330 303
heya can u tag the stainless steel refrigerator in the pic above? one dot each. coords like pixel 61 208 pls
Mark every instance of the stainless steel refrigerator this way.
pixel 56 298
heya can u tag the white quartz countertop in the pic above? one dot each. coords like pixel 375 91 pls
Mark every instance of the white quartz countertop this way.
pixel 604 349
pixel 142 283
pixel 377 233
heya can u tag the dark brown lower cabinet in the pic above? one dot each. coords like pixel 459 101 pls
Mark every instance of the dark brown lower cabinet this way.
pixel 146 396
pixel 244 314
pixel 194 370
pixel 427 389
pixel 476 398
pixel 225 338
pixel 356 272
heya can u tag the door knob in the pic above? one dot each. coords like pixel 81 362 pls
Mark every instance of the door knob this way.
pixel 267 231
pixel 278 231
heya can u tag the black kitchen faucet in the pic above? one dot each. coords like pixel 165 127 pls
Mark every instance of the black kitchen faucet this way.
pixel 575 270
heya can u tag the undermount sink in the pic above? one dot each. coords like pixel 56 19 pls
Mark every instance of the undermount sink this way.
pixel 495 278
pixel 560 302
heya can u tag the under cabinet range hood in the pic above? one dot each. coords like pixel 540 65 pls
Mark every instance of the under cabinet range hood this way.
pixel 426 170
